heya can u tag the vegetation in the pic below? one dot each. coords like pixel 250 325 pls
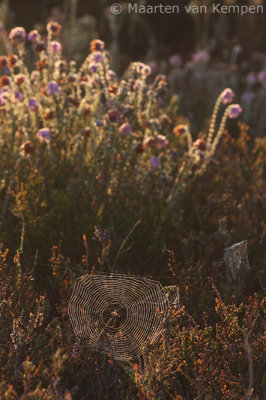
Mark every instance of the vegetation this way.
pixel 89 159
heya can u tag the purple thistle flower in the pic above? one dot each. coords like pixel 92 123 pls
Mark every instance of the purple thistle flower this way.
pixel 248 96
pixel 18 96
pixel 200 57
pixel 33 104
pixel 17 35
pixel 251 78
pixel 44 135
pixel 55 46
pixel 235 110
pixel 262 76
pixel 125 129
pixel 175 61
pixel 227 96
pixel 97 57
pixel 33 35
pixel 93 67
pixel 52 88
pixel 154 162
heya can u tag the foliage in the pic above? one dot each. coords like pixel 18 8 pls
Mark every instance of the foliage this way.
pixel 85 155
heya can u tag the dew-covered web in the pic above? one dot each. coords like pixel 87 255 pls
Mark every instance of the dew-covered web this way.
pixel 236 259
pixel 117 314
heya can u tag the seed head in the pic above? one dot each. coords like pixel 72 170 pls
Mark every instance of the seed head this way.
pixel 179 130
pixel 17 35
pixel 97 45
pixel 54 28
pixel 200 144
pixel 27 148
pixel 3 62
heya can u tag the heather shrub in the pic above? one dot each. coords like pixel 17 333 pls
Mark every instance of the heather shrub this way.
pixel 103 173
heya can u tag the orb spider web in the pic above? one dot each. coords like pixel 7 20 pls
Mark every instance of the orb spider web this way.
pixel 117 314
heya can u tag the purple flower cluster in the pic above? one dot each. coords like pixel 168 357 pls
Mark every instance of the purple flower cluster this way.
pixel 262 76
pixel 154 162
pixel 33 36
pixel 235 110
pixel 55 46
pixel 227 96
pixel 33 104
pixel 125 129
pixel 200 57
pixel 44 135
pixel 175 61
pixel 53 88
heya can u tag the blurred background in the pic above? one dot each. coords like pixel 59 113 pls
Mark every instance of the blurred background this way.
pixel 201 54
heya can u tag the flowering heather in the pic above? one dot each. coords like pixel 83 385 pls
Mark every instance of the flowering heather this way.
pixel 102 172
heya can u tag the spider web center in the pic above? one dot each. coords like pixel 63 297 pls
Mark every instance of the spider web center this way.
pixel 114 315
